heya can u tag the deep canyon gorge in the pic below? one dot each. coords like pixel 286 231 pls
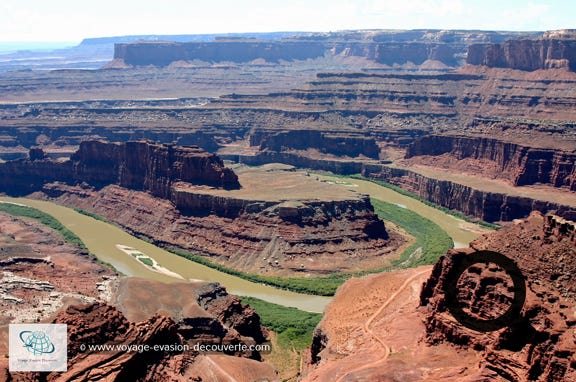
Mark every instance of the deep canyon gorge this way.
pixel 216 148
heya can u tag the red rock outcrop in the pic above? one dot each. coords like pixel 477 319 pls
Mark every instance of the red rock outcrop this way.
pixel 231 312
pixel 540 345
pixel 519 164
pixel 276 238
pixel 555 49
pixel 225 322
pixel 138 165
pixel 396 325
pixel 101 324
pixel 149 166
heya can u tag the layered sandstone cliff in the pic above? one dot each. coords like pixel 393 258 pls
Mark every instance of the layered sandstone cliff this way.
pixel 138 165
pixel 519 164
pixel 283 238
pixel 540 344
pixel 338 143
pixel 491 205
pixel 447 47
pixel 279 223
pixel 553 50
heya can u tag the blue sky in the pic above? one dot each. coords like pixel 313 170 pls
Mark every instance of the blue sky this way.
pixel 73 20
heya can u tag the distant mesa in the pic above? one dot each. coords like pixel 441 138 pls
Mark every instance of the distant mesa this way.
pixel 395 47
pixel 437 48
pixel 164 53
pixel 554 49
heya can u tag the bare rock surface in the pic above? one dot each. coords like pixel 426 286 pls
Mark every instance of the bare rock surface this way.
pixel 396 325
pixel 541 345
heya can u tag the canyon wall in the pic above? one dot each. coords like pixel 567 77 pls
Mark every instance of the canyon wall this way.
pixel 343 144
pixel 485 205
pixel 384 47
pixel 539 344
pixel 553 50
pixel 280 238
pixel 136 165
pixel 183 198
pixel 519 164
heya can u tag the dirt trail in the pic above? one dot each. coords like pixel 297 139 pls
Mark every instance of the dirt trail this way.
pixel 374 331
pixel 369 332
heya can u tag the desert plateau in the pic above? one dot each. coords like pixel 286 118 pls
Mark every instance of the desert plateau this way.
pixel 355 205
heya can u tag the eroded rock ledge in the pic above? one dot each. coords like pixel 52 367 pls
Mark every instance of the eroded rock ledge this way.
pixel 555 49
pixel 541 346
pixel 519 164
pixel 183 198
pixel 140 165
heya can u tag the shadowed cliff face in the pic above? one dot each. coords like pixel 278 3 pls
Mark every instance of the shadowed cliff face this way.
pixel 164 53
pixel 519 164
pixel 336 144
pixel 135 165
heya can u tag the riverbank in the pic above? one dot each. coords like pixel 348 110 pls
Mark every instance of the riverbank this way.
pixel 101 238
pixel 423 252
pixel 461 231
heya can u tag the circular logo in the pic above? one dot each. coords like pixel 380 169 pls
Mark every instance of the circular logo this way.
pixel 36 342
pixel 456 307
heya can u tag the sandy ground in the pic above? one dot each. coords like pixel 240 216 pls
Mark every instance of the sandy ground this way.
pixel 142 256
pixel 376 333
pixel 275 182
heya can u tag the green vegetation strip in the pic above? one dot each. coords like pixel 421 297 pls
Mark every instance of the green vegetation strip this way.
pixel 412 195
pixel 52 222
pixel 44 218
pixel 433 240
pixel 293 326
pixel 322 286
pixel 93 215
pixel 430 238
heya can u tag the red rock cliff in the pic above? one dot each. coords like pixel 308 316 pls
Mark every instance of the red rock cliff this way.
pixel 138 165
pixel 541 345
pixel 553 50
pixel 521 165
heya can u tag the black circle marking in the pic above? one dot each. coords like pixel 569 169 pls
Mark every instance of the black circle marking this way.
pixel 454 306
